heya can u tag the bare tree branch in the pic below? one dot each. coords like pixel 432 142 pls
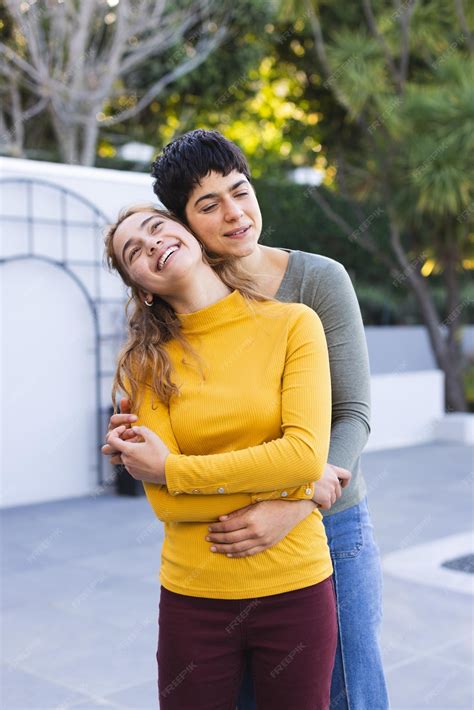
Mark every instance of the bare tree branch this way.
pixel 148 48
pixel 464 26
pixel 15 59
pixel 18 131
pixel 406 13
pixel 75 57
pixel 381 39
pixel 317 32
pixel 363 239
pixel 342 170
pixel 78 44
pixel 331 79
pixel 163 82
pixel 35 110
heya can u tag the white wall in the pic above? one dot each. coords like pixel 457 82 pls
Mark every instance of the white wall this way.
pixel 48 395
pixel 406 348
pixel 48 401
pixel 109 190
pixel 405 407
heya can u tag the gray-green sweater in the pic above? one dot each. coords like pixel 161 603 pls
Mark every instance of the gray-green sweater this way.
pixel 325 286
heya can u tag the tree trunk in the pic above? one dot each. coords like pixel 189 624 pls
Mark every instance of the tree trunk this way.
pixel 67 138
pixel 454 390
pixel 455 398
pixel 90 133
pixel 448 360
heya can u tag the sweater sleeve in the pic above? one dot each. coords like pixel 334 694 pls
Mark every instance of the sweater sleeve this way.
pixel 195 508
pixel 206 509
pixel 300 454
pixel 336 303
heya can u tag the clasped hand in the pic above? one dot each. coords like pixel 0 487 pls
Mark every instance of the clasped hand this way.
pixel 142 452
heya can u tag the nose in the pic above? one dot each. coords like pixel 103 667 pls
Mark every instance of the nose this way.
pixel 233 211
pixel 152 244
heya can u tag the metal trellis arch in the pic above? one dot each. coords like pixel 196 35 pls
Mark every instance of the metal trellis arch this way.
pixel 74 214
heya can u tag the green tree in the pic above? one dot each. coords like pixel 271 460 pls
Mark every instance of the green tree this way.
pixel 400 79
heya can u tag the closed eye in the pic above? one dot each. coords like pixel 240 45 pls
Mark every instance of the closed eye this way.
pixel 132 253
pixel 208 208
pixel 242 194
pixel 152 230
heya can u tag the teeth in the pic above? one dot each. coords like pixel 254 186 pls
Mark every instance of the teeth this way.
pixel 166 254
pixel 239 231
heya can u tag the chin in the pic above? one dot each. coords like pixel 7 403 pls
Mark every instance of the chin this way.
pixel 244 249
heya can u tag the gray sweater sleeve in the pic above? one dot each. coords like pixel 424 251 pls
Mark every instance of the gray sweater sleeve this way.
pixel 336 304
pixel 324 285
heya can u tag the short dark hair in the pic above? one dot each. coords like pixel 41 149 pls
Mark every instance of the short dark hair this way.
pixel 189 158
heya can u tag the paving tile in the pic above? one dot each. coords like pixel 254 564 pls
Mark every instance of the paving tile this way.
pixel 419 493
pixel 142 562
pixel 23 691
pixel 462 652
pixel 418 617
pixel 98 600
pixel 15 558
pixel 107 669
pixel 96 657
pixel 34 587
pixel 393 653
pixel 94 705
pixel 429 684
pixel 138 697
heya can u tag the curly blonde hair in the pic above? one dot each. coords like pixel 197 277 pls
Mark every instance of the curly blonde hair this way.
pixel 144 359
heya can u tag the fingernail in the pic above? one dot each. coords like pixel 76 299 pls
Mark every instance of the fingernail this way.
pixel 224 517
pixel 213 549
pixel 210 529
pixel 208 538
pixel 228 555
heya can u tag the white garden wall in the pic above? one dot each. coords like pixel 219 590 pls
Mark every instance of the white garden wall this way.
pixel 49 404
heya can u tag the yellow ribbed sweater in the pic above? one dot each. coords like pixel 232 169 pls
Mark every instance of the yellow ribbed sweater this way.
pixel 251 422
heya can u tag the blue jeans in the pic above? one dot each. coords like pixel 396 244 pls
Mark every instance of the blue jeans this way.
pixel 358 681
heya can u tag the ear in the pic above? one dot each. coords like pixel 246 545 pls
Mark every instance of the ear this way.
pixel 145 296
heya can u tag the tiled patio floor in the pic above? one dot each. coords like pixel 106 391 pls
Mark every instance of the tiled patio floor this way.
pixel 80 593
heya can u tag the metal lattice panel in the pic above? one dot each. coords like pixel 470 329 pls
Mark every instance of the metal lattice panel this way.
pixel 44 221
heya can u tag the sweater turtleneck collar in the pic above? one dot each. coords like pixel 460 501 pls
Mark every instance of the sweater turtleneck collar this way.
pixel 222 311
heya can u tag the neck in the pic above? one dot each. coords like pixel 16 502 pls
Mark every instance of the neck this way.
pixel 256 263
pixel 200 291
pixel 267 266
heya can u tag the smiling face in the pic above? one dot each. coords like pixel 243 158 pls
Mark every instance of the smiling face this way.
pixel 224 213
pixel 156 252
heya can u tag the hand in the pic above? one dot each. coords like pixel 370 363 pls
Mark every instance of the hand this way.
pixel 142 451
pixel 257 527
pixel 124 418
pixel 329 487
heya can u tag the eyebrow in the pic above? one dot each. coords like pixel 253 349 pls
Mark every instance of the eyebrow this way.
pixel 148 219
pixel 216 194
pixel 130 241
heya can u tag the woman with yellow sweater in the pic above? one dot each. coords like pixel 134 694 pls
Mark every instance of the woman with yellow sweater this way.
pixel 224 383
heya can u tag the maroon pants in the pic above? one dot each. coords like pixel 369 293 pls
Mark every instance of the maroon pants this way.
pixel 291 639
